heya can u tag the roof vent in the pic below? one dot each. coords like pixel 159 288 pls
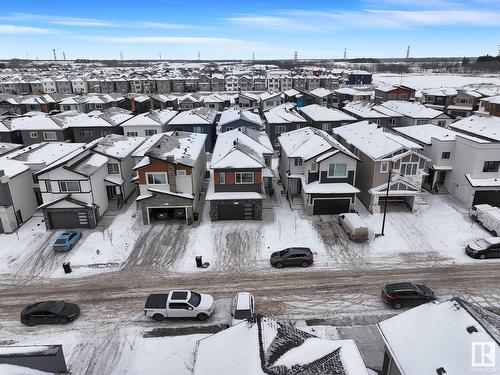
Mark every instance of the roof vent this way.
pixel 471 329
pixel 440 371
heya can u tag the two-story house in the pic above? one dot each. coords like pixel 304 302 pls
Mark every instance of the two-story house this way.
pixel 269 100
pixel 464 104
pixel 198 120
pixel 415 113
pixel 466 167
pixel 348 94
pixel 399 92
pixel 484 127
pixel 189 101
pixel 322 97
pixel 149 123
pixel 490 106
pixel 390 165
pixel 234 118
pixel 325 118
pixel 372 112
pixel 241 171
pixel 438 98
pixel 282 119
pixel 39 128
pixel 216 101
pixel 317 171
pixel 170 175
pixel 248 100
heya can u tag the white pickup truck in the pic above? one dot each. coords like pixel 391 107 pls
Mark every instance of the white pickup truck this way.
pixel 179 304
pixel 487 215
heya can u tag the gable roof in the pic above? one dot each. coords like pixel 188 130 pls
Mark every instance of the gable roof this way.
pixel 411 109
pixel 234 114
pixel 425 133
pixel 283 114
pixel 178 146
pixel 155 117
pixel 201 116
pixel 318 113
pixel 487 127
pixel 117 146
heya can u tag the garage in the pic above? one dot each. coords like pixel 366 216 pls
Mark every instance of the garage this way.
pixel 162 214
pixel 491 197
pixel 71 219
pixel 331 206
pixel 233 211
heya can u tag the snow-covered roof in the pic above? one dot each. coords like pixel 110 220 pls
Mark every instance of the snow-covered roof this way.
pixel 435 335
pixel 446 91
pixel 411 109
pixel 146 145
pixel 320 92
pixel 483 182
pixel 45 153
pixel 12 168
pixel 368 110
pixel 5 147
pixel 178 146
pixel 370 139
pixel 234 114
pixel 291 92
pixel 117 146
pixel 251 348
pixel 284 114
pixel 425 133
pixel 38 122
pixel 318 113
pixel 351 91
pixel 156 117
pixel 241 148
pixel 328 188
pixel 89 164
pixel 307 143
pixel 482 126
pixel 195 116
pixel 269 95
pixel 492 99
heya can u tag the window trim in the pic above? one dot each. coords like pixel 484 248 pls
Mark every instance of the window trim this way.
pixel 65 182
pixel 47 139
pixel 113 165
pixel 447 153
pixel 147 174
pixel 493 163
pixel 222 178
pixel 180 172
pixel 236 174
pixel 406 168
pixel 386 163
pixel 48 186
pixel 334 176
pixel 315 170
pixel 33 135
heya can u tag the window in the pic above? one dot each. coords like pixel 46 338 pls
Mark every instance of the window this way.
pixel 392 122
pixel 222 178
pixel 113 168
pixel 278 129
pixel 337 170
pixel 198 129
pixel 244 177
pixel 408 169
pixel 297 162
pixel 384 167
pixel 132 134
pixel 150 132
pixel 442 123
pixel 326 126
pixel 50 136
pixel 105 133
pixel 48 186
pixel 33 134
pixel 445 155
pixel 179 306
pixel 69 186
pixel 156 178
pixel 313 167
pixel 86 132
pixel 277 142
pixel 491 166
pixel 422 122
pixel 180 172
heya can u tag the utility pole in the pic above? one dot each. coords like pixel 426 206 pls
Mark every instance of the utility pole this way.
pixel 54 52
pixel 408 53
pixel 345 54
pixel 386 198
pixel 253 57
pixel 198 55
pixel 64 56
pixel 296 57
pixel 498 51
pixel 160 55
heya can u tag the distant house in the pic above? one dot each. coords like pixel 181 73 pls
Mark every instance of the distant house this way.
pixel 464 104
pixel 216 101
pixel 357 77
pixel 245 83
pixel 348 94
pixel 414 113
pixel 318 171
pixel 170 174
pixel 325 118
pixel 248 100
pixel 189 101
pixel 400 92
pixel 163 101
pixel 234 118
pixel 448 337
pixel 268 347
pixel 17 198
pixel 439 99
pixel 241 165
pixel 39 128
pixel 372 112
pixel 217 82
pixel 484 127
pixel 74 103
pixel 322 97
pixel 137 103
pixel 490 106
pixel 269 100
pixel 7 134
pixel 43 103
pixel 467 167
pixel 294 96
pixel 149 123
pixel 282 119
pixel 383 154
pixel 198 120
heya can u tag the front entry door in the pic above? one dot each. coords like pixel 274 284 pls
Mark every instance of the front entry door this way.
pixel 110 191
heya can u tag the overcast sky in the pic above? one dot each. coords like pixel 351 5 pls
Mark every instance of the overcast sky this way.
pixel 236 29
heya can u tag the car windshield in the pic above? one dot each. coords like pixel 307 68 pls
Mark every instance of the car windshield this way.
pixel 482 244
pixel 242 314
pixel 283 252
pixel 60 241
pixel 195 299
pixel 57 307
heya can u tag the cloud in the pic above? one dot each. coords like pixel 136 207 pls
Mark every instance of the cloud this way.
pixel 273 22
pixel 160 25
pixel 14 29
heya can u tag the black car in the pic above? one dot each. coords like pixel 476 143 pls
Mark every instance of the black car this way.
pixel 485 248
pixel 293 256
pixel 406 294
pixel 49 312
pixel 179 213
pixel 163 215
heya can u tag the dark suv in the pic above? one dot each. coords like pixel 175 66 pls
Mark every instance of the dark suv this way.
pixel 293 256
pixel 406 294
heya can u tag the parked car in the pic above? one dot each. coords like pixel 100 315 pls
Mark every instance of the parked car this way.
pixel 489 217
pixel 242 307
pixel 163 215
pixel 293 256
pixel 355 228
pixel 474 210
pixel 179 213
pixel 67 240
pixel 406 294
pixel 49 312
pixel 179 304
pixel 485 248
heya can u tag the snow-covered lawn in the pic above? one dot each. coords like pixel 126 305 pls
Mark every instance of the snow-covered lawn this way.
pixel 428 80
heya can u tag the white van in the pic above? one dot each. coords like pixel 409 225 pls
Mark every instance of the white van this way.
pixel 490 218
pixel 475 210
pixel 354 226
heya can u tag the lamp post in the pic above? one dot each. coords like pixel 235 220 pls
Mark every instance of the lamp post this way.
pixel 386 199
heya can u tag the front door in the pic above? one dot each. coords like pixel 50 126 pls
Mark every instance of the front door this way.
pixel 110 191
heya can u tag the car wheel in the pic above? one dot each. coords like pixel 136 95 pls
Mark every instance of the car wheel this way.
pixel 64 321
pixel 304 264
pixel 397 305
pixel 158 317
pixel 202 316
pixel 279 265
pixel 482 256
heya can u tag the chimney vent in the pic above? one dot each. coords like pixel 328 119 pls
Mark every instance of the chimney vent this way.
pixel 440 371
pixel 471 329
